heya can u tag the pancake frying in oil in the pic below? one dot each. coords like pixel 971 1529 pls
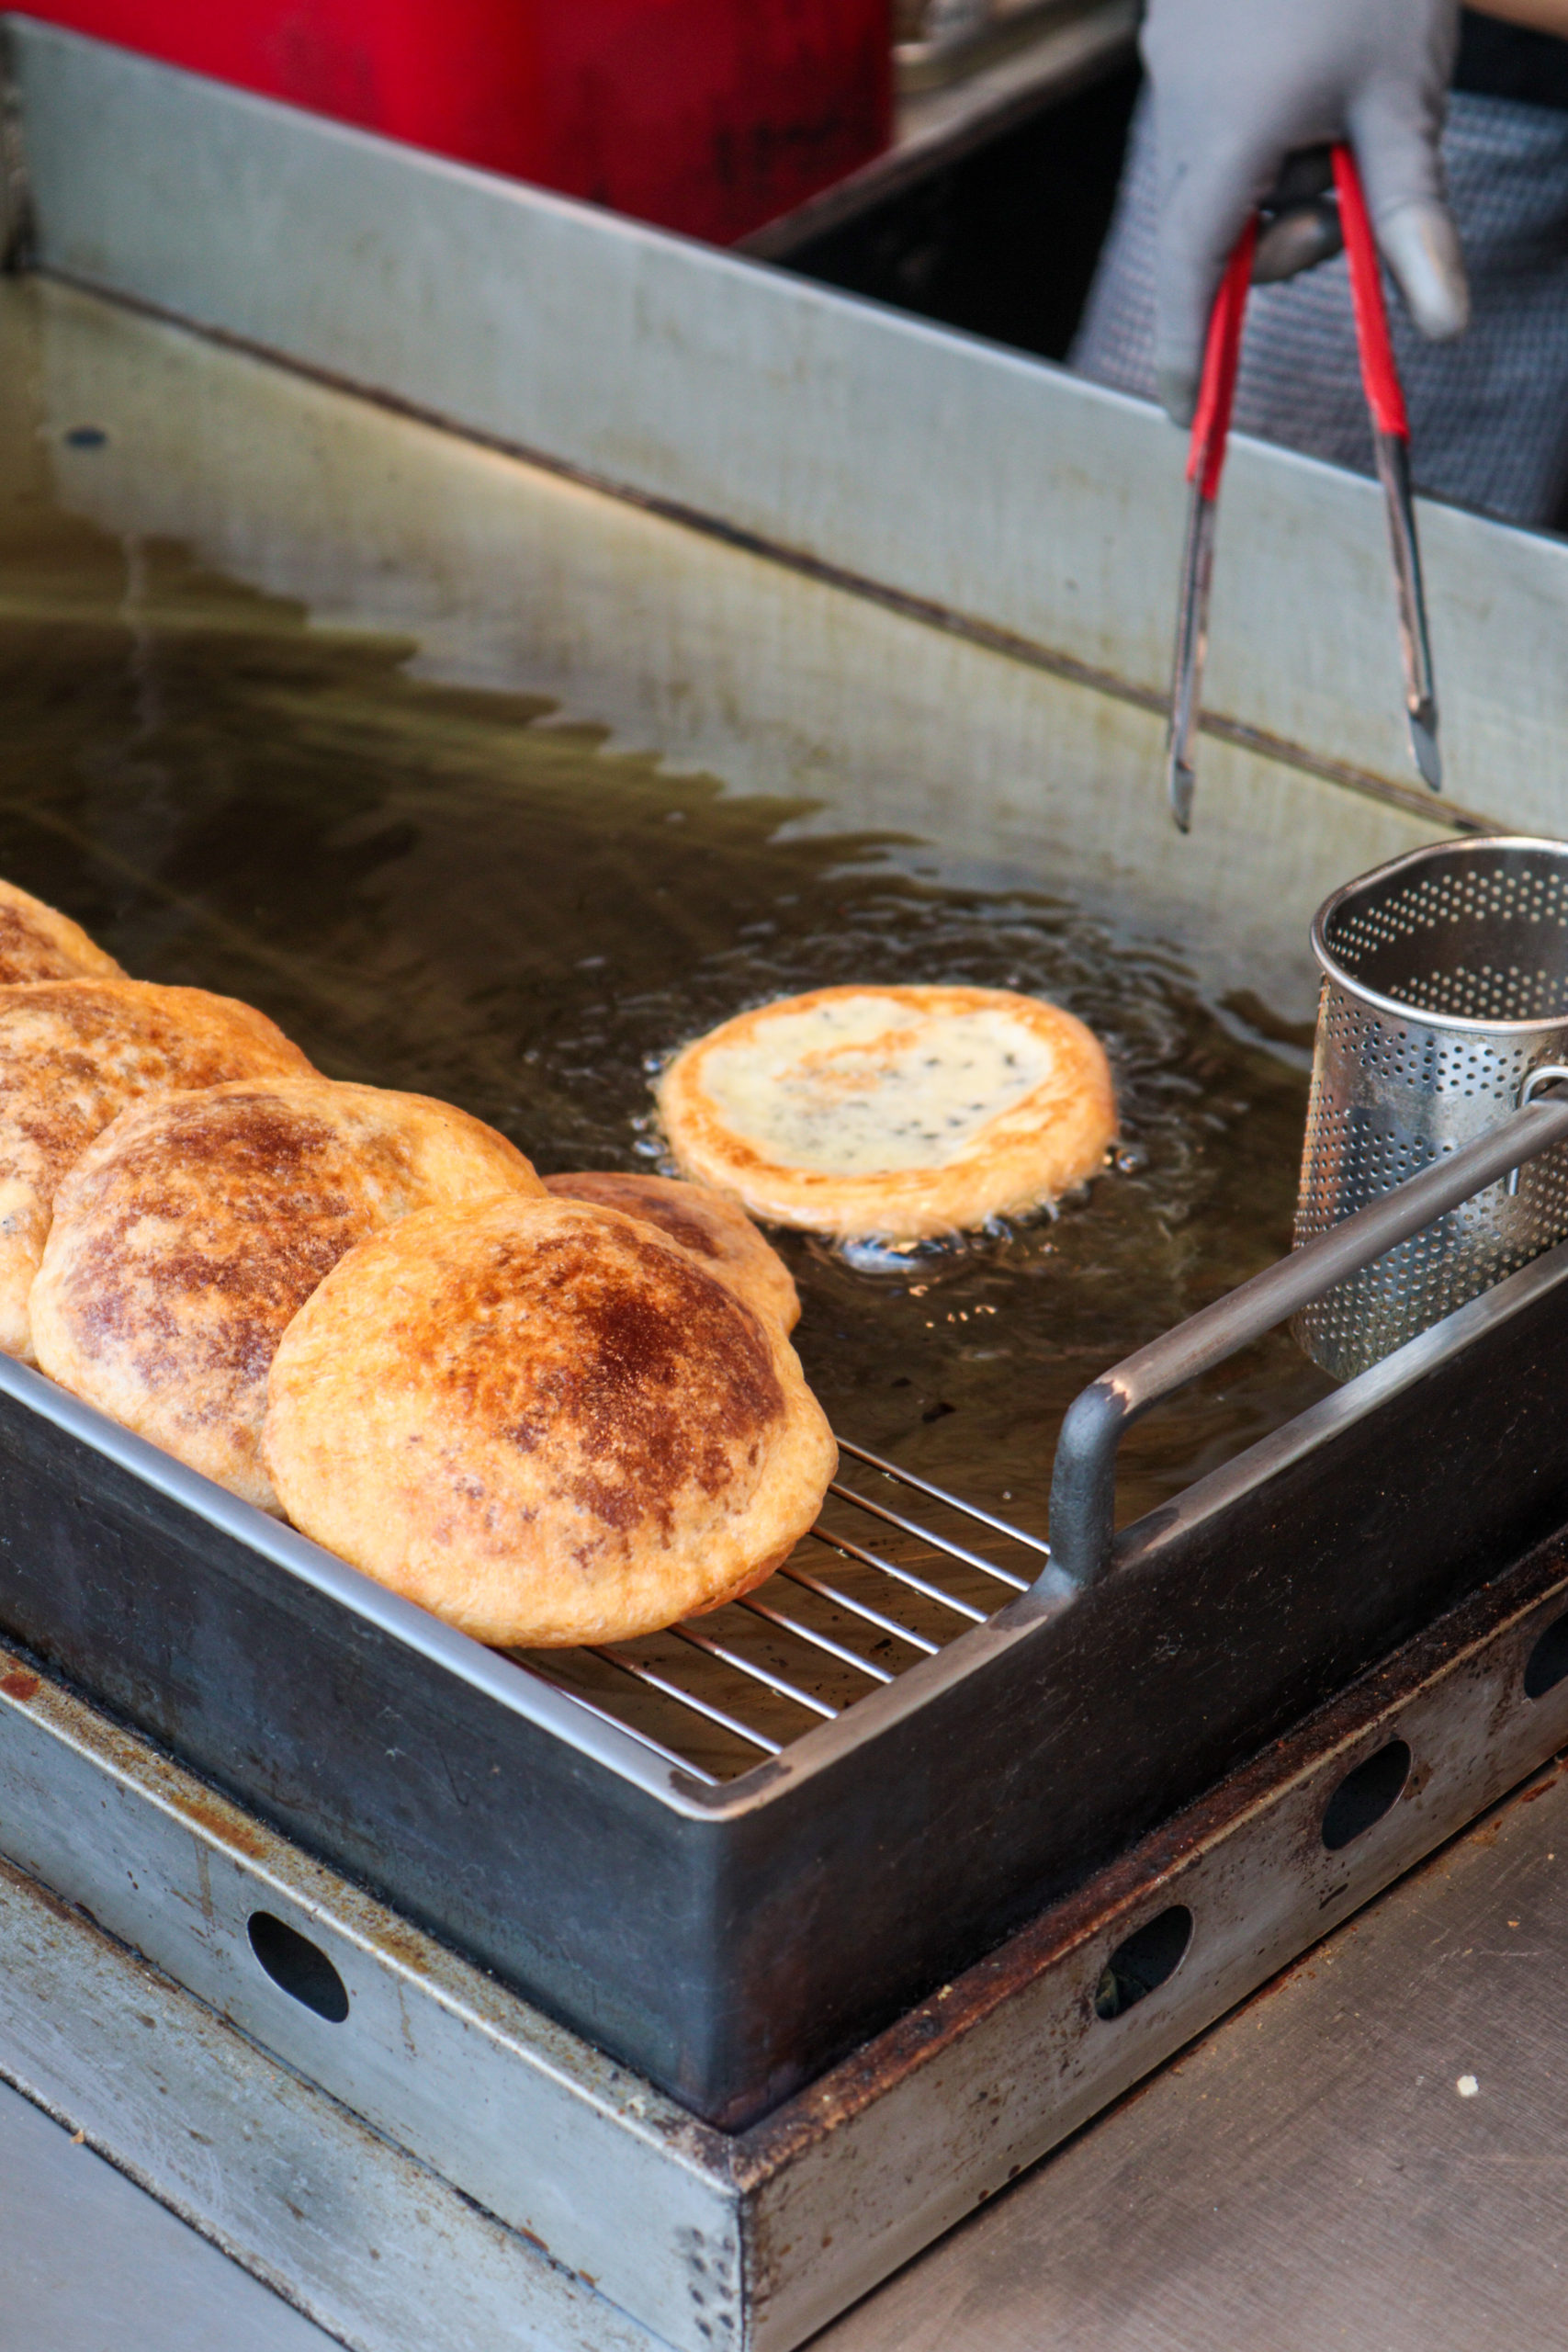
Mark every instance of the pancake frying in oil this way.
pixel 72 1055
pixel 189 1234
pixel 38 943
pixel 544 1422
pixel 701 1220
pixel 899 1112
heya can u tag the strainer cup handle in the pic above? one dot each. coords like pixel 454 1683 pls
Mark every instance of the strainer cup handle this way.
pixel 1083 1479
pixel 1544 1074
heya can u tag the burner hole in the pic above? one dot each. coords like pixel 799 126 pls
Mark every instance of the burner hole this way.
pixel 1364 1795
pixel 1548 1662
pixel 1141 1965
pixel 298 1967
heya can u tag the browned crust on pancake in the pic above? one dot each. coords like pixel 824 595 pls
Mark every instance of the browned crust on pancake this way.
pixel 703 1221
pixel 38 943
pixel 545 1423
pixel 72 1055
pixel 1028 1155
pixel 191 1232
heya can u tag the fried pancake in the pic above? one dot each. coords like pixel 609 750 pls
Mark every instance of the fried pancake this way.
pixel 38 943
pixel 702 1221
pixel 73 1054
pixel 544 1422
pixel 899 1112
pixel 189 1234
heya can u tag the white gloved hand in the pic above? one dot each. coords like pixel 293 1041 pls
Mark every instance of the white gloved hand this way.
pixel 1238 85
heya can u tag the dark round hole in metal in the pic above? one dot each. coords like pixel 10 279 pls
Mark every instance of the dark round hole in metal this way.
pixel 1150 1954
pixel 1364 1795
pixel 1548 1662
pixel 298 1967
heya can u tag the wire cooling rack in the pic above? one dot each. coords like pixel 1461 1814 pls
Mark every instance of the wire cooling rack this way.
pixel 894 1570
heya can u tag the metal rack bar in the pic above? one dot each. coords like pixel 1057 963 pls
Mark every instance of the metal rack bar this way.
pixel 924 1535
pixel 858 1608
pixel 816 1648
pixel 775 1683
pixel 900 1576
pixel 817 1640
pixel 683 1698
pixel 606 1716
pixel 953 1502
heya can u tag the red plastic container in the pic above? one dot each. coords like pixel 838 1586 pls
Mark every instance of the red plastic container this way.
pixel 708 116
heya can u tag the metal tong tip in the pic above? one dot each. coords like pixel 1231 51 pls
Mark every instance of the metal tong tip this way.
pixel 1424 745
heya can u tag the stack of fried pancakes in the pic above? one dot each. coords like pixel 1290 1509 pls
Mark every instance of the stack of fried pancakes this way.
pixel 548 1416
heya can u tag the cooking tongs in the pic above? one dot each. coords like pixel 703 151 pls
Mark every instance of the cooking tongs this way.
pixel 1205 463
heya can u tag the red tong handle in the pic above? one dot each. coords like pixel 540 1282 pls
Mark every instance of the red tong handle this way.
pixel 1379 375
pixel 1222 352
pixel 1221 359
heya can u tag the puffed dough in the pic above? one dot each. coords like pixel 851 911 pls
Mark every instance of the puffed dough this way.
pixel 188 1236
pixel 899 1112
pixel 544 1422
pixel 38 943
pixel 72 1055
pixel 700 1220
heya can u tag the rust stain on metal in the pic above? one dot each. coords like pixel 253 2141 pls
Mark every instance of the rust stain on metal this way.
pixel 228 1828
pixel 21 1685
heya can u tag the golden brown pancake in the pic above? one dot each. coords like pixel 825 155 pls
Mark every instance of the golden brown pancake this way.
pixel 902 1113
pixel 189 1234
pixel 702 1221
pixel 544 1422
pixel 72 1055
pixel 38 943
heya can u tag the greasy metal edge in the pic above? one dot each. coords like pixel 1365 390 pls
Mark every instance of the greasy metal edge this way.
pixel 1460 1023
pixel 1209 1497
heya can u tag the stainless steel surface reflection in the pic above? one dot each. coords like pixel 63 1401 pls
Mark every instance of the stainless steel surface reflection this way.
pixel 1444 1005
pixel 1319 2171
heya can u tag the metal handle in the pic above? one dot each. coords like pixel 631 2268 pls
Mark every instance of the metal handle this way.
pixel 1083 1480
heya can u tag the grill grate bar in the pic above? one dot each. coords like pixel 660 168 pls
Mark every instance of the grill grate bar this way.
pixel 953 1502
pixel 801 1666
pixel 774 1683
pixel 606 1716
pixel 728 1723
pixel 825 1591
pixel 924 1534
pixel 817 1640
pixel 900 1576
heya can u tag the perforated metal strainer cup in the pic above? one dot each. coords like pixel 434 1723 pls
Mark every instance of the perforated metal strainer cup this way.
pixel 1444 1007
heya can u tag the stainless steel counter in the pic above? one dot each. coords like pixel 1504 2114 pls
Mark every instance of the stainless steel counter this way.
pixel 1370 2155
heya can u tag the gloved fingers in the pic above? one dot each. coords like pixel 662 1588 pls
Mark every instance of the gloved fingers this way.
pixel 1395 130
pixel 1206 200
pixel 1421 247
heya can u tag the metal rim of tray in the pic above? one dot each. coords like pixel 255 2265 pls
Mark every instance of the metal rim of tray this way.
pixel 1398 1008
